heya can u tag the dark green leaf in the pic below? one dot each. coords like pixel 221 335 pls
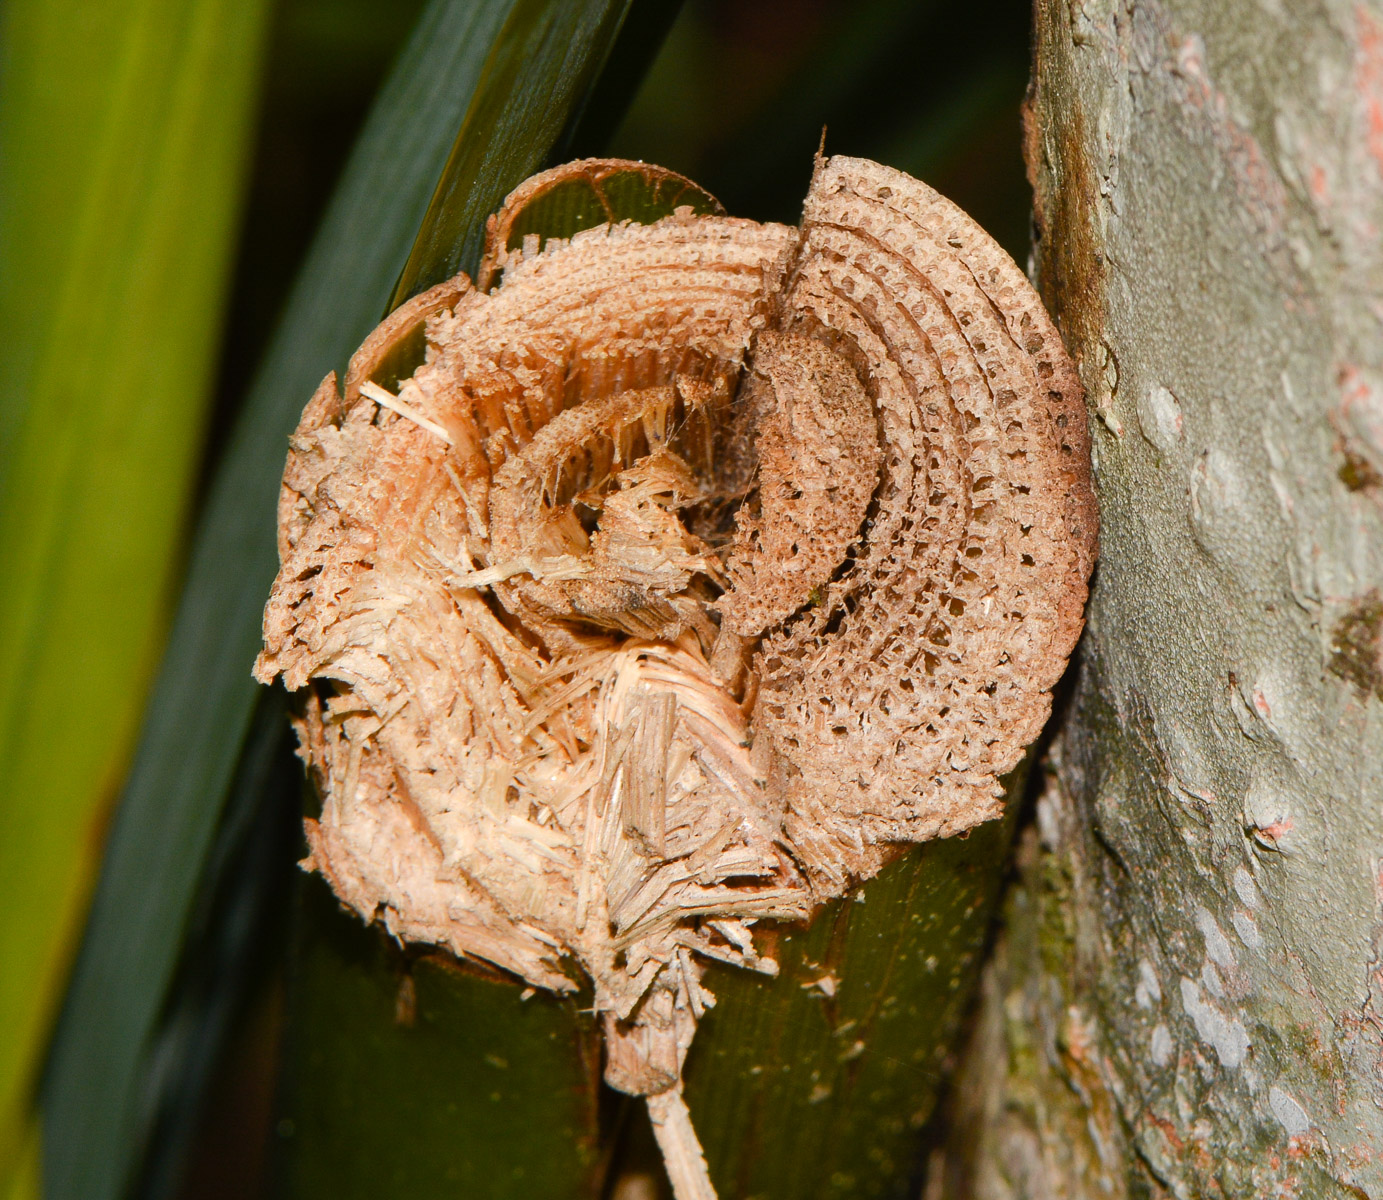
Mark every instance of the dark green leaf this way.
pixel 234 939
pixel 543 64
pixel 640 39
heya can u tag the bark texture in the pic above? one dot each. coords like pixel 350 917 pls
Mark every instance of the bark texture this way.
pixel 1188 998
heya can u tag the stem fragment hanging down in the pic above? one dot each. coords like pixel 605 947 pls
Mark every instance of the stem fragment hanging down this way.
pixel 693 569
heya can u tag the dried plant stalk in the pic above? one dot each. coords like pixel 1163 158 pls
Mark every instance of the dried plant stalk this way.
pixel 698 567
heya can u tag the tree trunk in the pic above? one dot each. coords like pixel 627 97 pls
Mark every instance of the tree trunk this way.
pixel 1187 999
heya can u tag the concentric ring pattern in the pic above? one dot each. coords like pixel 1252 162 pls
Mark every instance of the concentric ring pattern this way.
pixel 694 569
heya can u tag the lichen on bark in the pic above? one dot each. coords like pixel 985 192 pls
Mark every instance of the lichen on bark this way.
pixel 1204 879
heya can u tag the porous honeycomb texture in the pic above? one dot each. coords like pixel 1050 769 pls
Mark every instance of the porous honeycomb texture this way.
pixel 698 566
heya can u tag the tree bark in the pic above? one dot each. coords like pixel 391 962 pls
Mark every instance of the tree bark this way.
pixel 1187 999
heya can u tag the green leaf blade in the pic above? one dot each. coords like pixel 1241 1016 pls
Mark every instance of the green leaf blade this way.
pixel 120 194
pixel 545 63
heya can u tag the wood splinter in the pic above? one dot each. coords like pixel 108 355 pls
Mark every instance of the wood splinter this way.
pixel 697 567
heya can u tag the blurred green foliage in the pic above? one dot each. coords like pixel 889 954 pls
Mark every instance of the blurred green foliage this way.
pixel 324 62
pixel 123 172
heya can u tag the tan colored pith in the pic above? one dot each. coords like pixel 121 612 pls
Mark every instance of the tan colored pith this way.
pixel 698 566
